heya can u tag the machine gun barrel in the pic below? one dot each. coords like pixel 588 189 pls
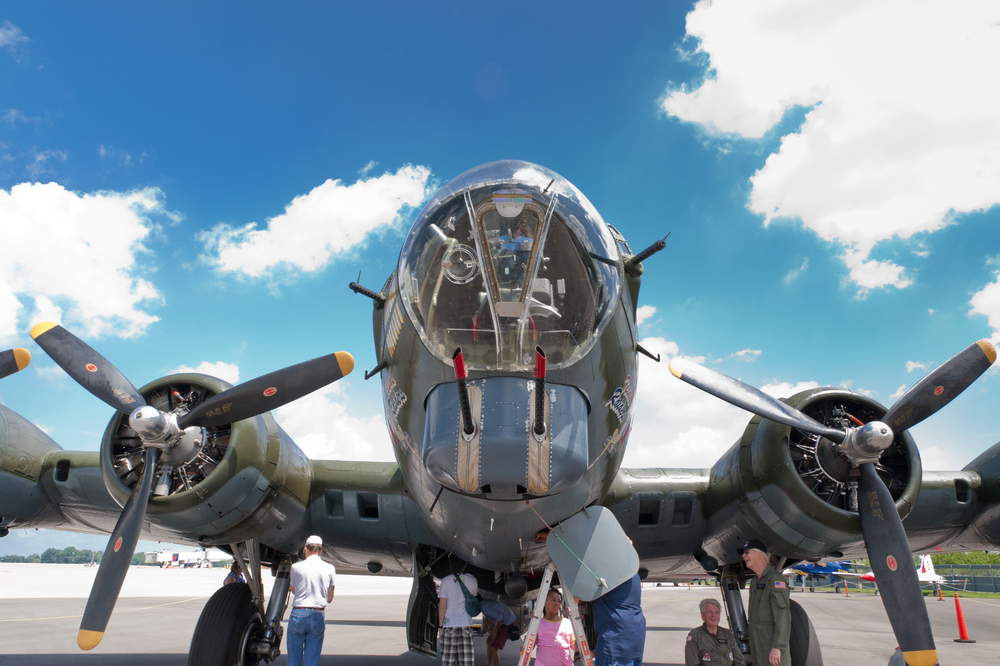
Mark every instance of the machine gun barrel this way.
pixel 649 251
pixel 539 392
pixel 468 427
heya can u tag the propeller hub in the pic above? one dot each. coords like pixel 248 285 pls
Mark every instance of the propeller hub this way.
pixel 149 423
pixel 155 428
pixel 866 444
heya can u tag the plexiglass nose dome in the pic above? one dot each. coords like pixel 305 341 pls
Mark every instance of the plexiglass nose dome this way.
pixel 505 257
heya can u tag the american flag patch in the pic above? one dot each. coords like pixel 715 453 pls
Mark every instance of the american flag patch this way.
pixel 780 584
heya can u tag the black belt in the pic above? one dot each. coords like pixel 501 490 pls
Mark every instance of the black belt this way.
pixel 316 608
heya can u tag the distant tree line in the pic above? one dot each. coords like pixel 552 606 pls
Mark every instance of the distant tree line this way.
pixel 975 557
pixel 69 555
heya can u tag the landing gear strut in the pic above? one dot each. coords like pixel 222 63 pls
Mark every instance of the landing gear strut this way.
pixel 732 583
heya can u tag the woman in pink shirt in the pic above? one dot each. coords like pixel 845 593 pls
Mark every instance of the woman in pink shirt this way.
pixel 556 641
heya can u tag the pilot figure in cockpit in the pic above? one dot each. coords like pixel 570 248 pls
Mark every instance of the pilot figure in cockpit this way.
pixel 523 238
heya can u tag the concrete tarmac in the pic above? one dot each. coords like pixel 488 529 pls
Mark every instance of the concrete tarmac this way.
pixel 366 626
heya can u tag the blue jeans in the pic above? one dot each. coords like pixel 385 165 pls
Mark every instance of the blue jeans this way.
pixel 305 636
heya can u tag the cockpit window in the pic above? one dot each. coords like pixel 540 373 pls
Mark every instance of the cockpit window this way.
pixel 506 257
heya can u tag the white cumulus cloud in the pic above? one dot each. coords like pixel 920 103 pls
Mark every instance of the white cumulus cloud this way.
pixel 75 259
pixel 915 365
pixel 227 371
pixel 643 313
pixel 322 424
pixel 903 130
pixel 987 302
pixel 677 425
pixel 316 226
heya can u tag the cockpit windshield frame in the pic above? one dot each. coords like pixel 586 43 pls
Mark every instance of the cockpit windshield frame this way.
pixel 560 297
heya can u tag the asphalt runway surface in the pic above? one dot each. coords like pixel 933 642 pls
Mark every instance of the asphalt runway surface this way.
pixel 366 624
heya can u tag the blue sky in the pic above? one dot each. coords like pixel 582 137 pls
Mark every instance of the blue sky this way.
pixel 829 173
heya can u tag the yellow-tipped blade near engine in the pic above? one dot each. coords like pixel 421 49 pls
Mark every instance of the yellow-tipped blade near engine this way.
pixel 41 327
pixel 921 657
pixel 346 362
pixel 22 357
pixel 13 360
pixel 88 640
pixel 989 350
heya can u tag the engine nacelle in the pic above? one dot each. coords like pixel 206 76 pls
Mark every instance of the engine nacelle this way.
pixel 219 483
pixel 792 491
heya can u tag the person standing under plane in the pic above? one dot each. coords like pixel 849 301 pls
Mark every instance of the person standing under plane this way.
pixel 769 616
pixel 455 633
pixel 312 582
pixel 620 625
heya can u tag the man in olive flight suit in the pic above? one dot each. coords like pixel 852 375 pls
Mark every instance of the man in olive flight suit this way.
pixel 710 643
pixel 770 618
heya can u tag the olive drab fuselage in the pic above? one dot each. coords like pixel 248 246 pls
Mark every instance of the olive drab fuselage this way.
pixel 473 493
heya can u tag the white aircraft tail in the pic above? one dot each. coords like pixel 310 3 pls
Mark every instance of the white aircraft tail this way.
pixel 927 565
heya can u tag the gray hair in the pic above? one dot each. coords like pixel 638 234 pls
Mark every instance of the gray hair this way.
pixel 707 602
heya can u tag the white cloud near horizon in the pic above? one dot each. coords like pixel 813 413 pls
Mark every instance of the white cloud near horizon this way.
pixel 318 225
pixel 677 425
pixel 903 132
pixel 914 365
pixel 322 424
pixel 86 273
pixel 229 372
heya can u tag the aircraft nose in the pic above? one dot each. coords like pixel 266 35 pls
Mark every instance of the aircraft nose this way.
pixel 504 459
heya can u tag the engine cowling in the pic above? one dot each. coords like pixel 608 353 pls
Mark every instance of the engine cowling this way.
pixel 215 486
pixel 792 491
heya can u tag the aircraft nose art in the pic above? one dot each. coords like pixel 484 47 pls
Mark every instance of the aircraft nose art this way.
pixel 504 460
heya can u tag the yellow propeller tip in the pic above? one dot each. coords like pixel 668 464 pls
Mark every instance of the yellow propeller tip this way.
pixel 41 327
pixel 88 640
pixel 22 357
pixel 921 657
pixel 346 362
pixel 675 369
pixel 988 349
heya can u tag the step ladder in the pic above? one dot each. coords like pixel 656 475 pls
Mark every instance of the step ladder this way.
pixel 569 605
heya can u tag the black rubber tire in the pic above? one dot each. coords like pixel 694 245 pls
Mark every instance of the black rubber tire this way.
pixel 803 644
pixel 227 624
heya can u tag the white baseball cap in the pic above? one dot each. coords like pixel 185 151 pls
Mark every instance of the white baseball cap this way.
pixel 314 541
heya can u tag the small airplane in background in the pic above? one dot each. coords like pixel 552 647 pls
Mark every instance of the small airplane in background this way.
pixel 820 569
pixel 925 573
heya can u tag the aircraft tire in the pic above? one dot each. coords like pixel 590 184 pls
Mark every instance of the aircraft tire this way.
pixel 803 644
pixel 227 625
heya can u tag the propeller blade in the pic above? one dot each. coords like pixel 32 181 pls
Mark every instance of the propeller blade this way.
pixel 117 558
pixel 91 370
pixel 747 397
pixel 13 360
pixel 269 391
pixel 892 563
pixel 941 386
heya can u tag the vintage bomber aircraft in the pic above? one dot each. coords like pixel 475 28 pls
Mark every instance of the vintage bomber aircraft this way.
pixel 506 345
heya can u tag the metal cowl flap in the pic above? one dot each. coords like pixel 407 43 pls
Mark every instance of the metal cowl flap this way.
pixel 592 553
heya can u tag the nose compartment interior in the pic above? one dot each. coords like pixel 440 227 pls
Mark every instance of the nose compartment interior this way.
pixel 506 456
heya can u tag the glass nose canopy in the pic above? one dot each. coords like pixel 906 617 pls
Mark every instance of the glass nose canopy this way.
pixel 508 256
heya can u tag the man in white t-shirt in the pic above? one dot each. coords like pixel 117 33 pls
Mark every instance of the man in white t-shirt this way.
pixel 312 582
pixel 455 633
